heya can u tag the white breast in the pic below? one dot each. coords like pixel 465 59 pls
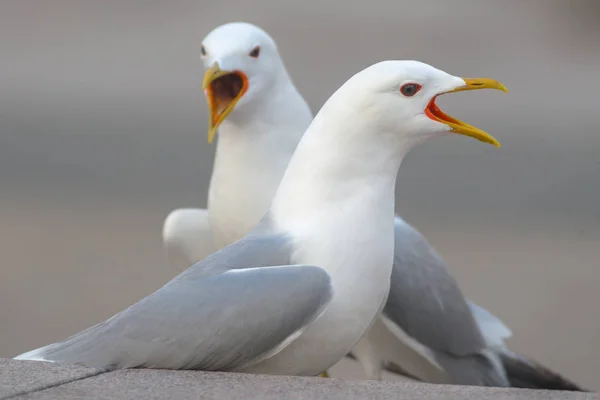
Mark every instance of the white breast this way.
pixel 359 259
pixel 248 168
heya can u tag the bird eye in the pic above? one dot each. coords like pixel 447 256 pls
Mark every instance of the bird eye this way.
pixel 410 89
pixel 255 52
pixel 202 50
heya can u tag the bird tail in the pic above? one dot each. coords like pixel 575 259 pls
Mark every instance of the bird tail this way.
pixel 524 373
pixel 481 369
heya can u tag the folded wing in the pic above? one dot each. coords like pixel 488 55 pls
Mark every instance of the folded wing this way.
pixel 236 307
pixel 426 303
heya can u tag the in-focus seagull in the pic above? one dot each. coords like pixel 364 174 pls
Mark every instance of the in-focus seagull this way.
pixel 296 294
pixel 260 117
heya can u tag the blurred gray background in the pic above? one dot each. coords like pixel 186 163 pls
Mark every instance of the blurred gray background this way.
pixel 103 132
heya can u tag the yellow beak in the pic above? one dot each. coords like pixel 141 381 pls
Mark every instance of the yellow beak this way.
pixel 223 89
pixel 460 127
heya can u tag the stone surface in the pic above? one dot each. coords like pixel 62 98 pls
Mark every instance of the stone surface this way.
pixel 19 377
pixel 33 380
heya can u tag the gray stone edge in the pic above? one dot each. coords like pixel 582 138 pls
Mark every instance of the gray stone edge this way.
pixel 494 393
pixel 53 385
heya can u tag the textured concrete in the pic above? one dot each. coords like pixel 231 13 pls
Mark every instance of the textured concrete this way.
pixel 48 381
pixel 18 377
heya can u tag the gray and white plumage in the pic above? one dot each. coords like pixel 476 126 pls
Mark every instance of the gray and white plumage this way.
pixel 255 144
pixel 428 331
pixel 251 150
pixel 334 211
pixel 223 313
pixel 426 302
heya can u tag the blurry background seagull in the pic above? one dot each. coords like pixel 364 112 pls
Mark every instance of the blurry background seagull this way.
pixel 260 117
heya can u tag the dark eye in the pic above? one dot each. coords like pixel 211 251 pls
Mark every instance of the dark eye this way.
pixel 255 52
pixel 410 89
pixel 202 50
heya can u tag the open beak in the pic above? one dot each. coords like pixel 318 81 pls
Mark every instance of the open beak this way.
pixel 433 111
pixel 223 89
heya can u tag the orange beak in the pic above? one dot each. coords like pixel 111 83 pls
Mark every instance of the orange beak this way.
pixel 223 89
pixel 433 111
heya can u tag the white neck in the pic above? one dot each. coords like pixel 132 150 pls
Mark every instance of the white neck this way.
pixel 336 203
pixel 255 145
pixel 339 165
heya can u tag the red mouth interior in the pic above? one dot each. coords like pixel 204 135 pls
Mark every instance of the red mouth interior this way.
pixel 434 112
pixel 224 90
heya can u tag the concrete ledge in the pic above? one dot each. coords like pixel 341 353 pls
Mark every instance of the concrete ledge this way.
pixel 18 377
pixel 36 380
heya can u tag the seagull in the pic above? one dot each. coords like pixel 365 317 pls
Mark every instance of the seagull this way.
pixel 296 294
pixel 261 117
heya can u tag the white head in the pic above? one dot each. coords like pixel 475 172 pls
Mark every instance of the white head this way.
pixel 398 97
pixel 354 146
pixel 242 63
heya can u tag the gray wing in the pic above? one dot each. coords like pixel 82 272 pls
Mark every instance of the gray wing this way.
pixel 427 304
pixel 425 301
pixel 493 329
pixel 220 314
